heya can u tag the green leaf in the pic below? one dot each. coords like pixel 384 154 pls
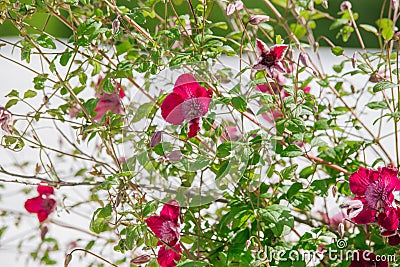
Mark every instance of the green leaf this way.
pixel 288 172
pixel 108 87
pixel 143 111
pixel 321 187
pixel 307 171
pixel 239 103
pixel 11 103
pixel 337 50
pixel 45 42
pixel 278 219
pixel 369 28
pixel 101 216
pixel 13 93
pixel 30 94
pixel 294 189
pixel 190 263
pixel 292 151
pixel 224 150
pixel 377 105
pixel 383 85
pixel 387 33
pixel 65 58
pixel 295 126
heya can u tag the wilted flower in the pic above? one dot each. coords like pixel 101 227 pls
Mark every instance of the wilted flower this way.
pixel 5 120
pixel 115 25
pixel 188 102
pixel 109 102
pixel 166 228
pixel 270 58
pixel 44 204
pixel 257 19
pixel 230 9
pixel 174 156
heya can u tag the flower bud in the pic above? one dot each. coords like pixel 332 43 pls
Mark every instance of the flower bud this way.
pixel 174 156
pixel 115 25
pixel 334 190
pixel 346 5
pixel 67 260
pixel 43 231
pixel 258 19
pixel 396 36
pixel 141 259
pixel 325 4
pixel 230 9
pixel 155 139
pixel 354 60
pixel 5 120
pixel 305 59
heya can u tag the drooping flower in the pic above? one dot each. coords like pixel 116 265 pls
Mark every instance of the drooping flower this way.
pixel 44 204
pixel 230 9
pixel 364 258
pixel 375 190
pixel 109 102
pixel 270 58
pixel 166 228
pixel 189 101
pixel 5 120
pixel 258 19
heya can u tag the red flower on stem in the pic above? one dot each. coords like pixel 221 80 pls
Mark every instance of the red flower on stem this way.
pixel 5 120
pixel 375 190
pixel 44 204
pixel 166 228
pixel 189 101
pixel 270 58
pixel 109 102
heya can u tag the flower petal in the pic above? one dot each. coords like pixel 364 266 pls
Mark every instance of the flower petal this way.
pixel 388 219
pixel 359 181
pixel 171 109
pixel 42 215
pixel 34 205
pixel 155 223
pixel 279 51
pixel 394 240
pixel 262 48
pixel 194 127
pixel 185 85
pixel 389 175
pixel 171 211
pixel 45 190
pixel 167 257
pixel 365 216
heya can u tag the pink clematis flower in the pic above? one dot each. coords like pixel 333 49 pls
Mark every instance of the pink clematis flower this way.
pixel 375 190
pixel 109 102
pixel 5 120
pixel 364 258
pixel 270 58
pixel 166 228
pixel 189 101
pixel 44 204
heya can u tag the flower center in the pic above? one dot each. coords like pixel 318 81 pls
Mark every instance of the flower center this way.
pixel 48 204
pixel 191 109
pixel 169 232
pixel 376 196
pixel 268 59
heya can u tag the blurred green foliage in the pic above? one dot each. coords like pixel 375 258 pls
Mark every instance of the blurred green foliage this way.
pixel 368 10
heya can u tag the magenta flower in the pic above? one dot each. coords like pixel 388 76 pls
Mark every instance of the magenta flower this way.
pixel 109 102
pixel 270 58
pixel 44 204
pixel 364 258
pixel 189 101
pixel 167 257
pixel 5 120
pixel 166 228
pixel 375 190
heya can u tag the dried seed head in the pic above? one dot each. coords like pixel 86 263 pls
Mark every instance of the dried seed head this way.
pixel 354 60
pixel 325 4
pixel 334 190
pixel 305 59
